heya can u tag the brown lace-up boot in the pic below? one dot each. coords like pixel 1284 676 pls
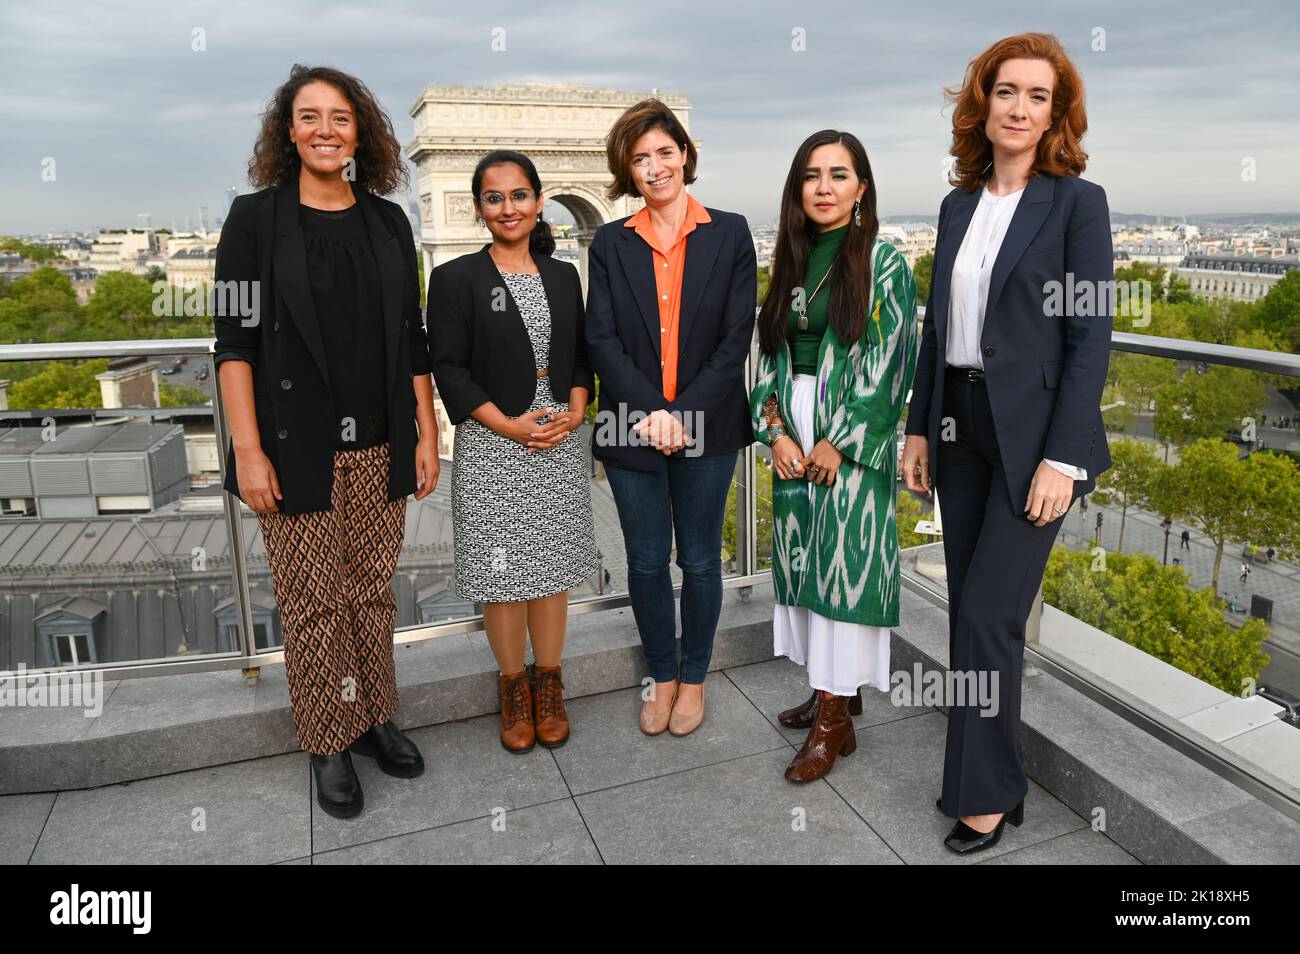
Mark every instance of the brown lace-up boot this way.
pixel 517 730
pixel 831 734
pixel 548 699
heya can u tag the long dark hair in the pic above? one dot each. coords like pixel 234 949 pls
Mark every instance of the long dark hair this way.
pixel 379 165
pixel 540 242
pixel 850 272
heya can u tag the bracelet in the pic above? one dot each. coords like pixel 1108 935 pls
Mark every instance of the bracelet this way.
pixel 774 433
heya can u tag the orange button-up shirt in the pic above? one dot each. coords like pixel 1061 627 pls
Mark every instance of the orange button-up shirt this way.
pixel 669 264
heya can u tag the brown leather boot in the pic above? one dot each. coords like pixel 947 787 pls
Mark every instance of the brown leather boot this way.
pixel 831 734
pixel 517 730
pixel 548 701
pixel 803 716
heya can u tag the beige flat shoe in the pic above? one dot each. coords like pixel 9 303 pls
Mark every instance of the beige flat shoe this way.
pixel 684 723
pixel 652 722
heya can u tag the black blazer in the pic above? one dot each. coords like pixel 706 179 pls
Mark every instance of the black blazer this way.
pixel 1044 374
pixel 719 298
pixel 261 242
pixel 478 343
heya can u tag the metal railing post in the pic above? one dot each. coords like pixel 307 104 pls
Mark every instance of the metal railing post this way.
pixel 234 534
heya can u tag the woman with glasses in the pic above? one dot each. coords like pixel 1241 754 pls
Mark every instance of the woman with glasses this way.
pixel 510 362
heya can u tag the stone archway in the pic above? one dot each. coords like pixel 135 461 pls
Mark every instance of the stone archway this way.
pixel 561 127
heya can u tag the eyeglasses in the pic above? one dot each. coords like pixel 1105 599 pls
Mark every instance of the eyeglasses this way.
pixel 518 197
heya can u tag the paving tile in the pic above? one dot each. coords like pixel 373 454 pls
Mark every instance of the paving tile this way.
pixel 607 746
pixel 46 724
pixel 467 775
pixel 1249 834
pixel 254 812
pixel 1084 847
pixel 894 777
pixel 552 833
pixel 157 701
pixel 779 684
pixel 21 819
pixel 737 812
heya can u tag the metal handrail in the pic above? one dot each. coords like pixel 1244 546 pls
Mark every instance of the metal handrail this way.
pixel 749 575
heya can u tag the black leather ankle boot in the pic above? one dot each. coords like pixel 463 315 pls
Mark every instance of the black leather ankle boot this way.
pixel 338 790
pixel 397 755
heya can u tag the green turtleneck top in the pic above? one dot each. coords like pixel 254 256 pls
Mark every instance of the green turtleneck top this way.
pixel 805 342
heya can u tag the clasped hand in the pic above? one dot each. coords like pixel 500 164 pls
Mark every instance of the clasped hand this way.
pixel 664 431
pixel 822 466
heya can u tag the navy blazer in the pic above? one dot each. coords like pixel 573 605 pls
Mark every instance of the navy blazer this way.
pixel 719 296
pixel 1044 373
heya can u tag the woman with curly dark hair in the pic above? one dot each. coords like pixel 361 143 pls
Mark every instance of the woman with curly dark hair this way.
pixel 1005 415
pixel 325 377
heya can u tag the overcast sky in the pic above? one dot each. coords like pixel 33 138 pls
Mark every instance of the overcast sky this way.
pixel 138 122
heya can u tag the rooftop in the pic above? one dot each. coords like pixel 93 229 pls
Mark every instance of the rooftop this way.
pixel 100 790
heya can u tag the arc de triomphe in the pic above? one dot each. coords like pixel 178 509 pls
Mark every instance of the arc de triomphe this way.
pixel 561 127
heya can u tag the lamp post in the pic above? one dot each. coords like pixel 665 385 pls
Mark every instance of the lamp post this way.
pixel 1166 524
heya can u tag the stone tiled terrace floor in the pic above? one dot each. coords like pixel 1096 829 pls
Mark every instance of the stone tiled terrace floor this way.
pixel 610 795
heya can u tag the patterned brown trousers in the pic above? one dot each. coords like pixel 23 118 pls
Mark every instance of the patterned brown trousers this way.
pixel 332 573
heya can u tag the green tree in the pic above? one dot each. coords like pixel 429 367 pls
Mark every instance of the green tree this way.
pixel 1278 312
pixel 1231 499
pixel 907 512
pixel 1143 272
pixel 182 395
pixel 58 386
pixel 1130 479
pixel 1153 608
pixel 33 253
pixel 1179 291
pixel 1207 405
pixel 39 307
pixel 762 520
pixel 1218 320
pixel 924 273
pixel 122 307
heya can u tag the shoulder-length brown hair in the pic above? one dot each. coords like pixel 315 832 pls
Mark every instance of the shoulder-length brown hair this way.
pixel 850 272
pixel 1059 150
pixel 627 129
pixel 379 165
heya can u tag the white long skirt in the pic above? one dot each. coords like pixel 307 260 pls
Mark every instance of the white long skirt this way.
pixel 839 656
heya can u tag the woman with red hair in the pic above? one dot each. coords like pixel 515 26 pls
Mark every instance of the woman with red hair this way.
pixel 1005 417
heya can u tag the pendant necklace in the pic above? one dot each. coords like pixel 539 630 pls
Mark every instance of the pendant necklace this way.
pixel 802 321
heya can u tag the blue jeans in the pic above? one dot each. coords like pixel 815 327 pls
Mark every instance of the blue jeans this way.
pixel 690 497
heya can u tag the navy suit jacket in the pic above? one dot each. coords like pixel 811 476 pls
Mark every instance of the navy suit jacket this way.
pixel 1044 371
pixel 719 297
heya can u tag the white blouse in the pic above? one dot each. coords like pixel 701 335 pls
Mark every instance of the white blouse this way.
pixel 969 288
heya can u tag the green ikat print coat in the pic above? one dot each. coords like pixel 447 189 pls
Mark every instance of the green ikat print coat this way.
pixel 835 548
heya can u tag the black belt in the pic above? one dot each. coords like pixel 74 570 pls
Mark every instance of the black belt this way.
pixel 969 374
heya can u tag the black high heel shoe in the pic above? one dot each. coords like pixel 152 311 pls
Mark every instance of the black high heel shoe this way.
pixel 963 839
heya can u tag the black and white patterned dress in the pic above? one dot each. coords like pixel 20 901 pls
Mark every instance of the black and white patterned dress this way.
pixel 523 521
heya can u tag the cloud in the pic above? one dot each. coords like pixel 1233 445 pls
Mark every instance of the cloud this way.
pixel 139 121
